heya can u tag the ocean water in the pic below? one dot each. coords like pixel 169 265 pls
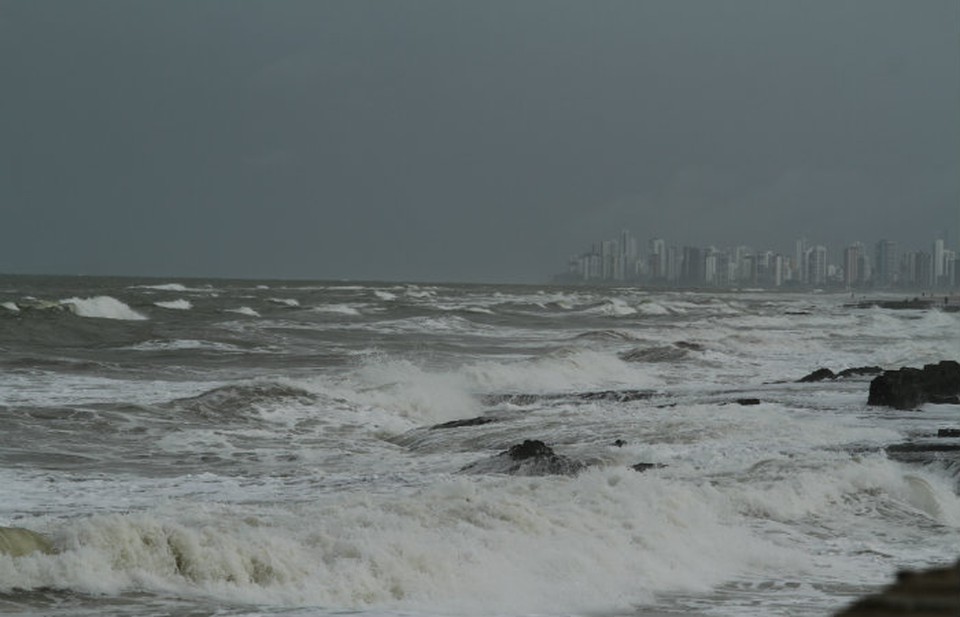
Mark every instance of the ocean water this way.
pixel 271 448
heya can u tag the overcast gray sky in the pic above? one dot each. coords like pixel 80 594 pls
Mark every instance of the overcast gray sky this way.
pixel 473 141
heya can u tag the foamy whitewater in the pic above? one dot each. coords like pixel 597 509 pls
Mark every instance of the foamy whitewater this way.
pixel 273 448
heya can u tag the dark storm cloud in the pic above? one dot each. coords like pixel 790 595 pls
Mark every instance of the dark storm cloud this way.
pixel 455 140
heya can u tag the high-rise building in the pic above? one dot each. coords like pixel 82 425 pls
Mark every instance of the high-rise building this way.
pixel 851 264
pixel 816 265
pixel 885 263
pixel 658 259
pixel 801 257
pixel 691 268
pixel 938 262
pixel 673 264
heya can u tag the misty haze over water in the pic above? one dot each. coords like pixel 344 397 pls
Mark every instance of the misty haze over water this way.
pixel 478 141
pixel 208 408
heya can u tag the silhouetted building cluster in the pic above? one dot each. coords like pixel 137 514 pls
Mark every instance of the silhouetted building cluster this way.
pixel 882 266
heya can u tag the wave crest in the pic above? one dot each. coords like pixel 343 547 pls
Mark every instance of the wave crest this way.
pixel 102 307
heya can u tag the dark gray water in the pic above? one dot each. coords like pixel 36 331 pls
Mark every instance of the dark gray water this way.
pixel 267 447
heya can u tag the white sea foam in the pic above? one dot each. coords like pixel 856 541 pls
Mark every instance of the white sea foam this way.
pixel 384 295
pixel 291 302
pixel 184 344
pixel 178 305
pixel 164 287
pixel 104 307
pixel 614 307
pixel 652 308
pixel 10 306
pixel 402 388
pixel 339 309
pixel 600 542
pixel 244 310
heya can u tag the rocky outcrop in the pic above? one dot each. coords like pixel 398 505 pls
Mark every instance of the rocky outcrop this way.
pixel 479 421
pixel 641 467
pixel 818 375
pixel 530 458
pixel 930 593
pixel 859 371
pixel 823 374
pixel 909 388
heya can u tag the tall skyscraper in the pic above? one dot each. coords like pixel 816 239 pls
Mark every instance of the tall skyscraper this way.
pixel 801 257
pixel 885 263
pixel 851 264
pixel 816 265
pixel 658 259
pixel 938 262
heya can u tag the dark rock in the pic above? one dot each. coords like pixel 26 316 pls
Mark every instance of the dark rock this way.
pixel 948 432
pixel 530 448
pixel 619 443
pixel 521 400
pixel 923 447
pixel 908 388
pixel 748 401
pixel 641 467
pixel 530 458
pixel 654 354
pixel 690 346
pixel 461 423
pixel 618 396
pixel 930 593
pixel 859 371
pixel 818 375
pixel 942 452
pixel 953 399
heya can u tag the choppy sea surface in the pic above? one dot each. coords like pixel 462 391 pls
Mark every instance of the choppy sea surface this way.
pixel 271 448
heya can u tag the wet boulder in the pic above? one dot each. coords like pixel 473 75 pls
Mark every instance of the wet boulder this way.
pixel 530 458
pixel 909 388
pixel 641 467
pixel 859 371
pixel 929 593
pixel 820 374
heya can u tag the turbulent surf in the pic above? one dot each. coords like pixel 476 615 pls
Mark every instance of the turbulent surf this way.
pixel 281 448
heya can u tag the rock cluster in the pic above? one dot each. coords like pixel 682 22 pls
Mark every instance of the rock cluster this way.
pixel 931 593
pixel 823 374
pixel 530 458
pixel 909 388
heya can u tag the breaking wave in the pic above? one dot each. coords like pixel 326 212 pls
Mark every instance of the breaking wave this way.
pixel 602 541
pixel 102 307
pixel 178 305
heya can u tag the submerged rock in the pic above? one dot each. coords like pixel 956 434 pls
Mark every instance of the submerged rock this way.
pixel 823 374
pixel 859 371
pixel 909 388
pixel 618 396
pixel 641 467
pixel 17 542
pixel 818 375
pixel 930 593
pixel 748 401
pixel 948 432
pixel 479 421
pixel 530 458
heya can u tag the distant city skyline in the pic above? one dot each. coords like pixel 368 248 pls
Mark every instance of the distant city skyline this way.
pixel 883 264
pixel 463 141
